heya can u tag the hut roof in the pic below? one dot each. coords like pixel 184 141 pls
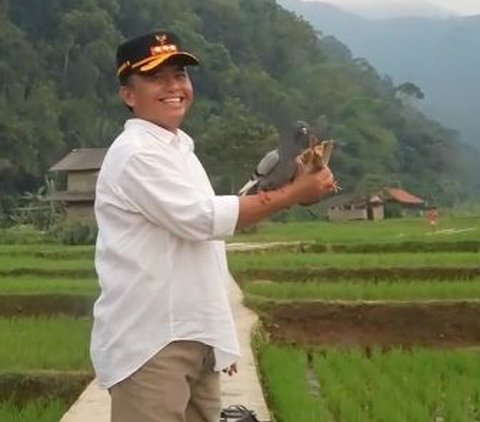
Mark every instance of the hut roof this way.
pixel 403 197
pixel 81 159
pixel 72 196
pixel 343 200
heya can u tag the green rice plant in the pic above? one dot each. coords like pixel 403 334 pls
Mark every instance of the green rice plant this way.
pixel 44 344
pixel 328 260
pixel 385 408
pixel 456 404
pixel 378 385
pixel 390 230
pixel 51 251
pixel 346 401
pixel 8 263
pixel 366 290
pixel 288 388
pixel 35 411
pixel 398 247
pixel 47 285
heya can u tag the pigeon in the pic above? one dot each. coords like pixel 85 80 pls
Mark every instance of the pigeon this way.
pixel 279 166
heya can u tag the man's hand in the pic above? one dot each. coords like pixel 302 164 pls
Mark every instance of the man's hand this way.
pixel 309 188
pixel 232 369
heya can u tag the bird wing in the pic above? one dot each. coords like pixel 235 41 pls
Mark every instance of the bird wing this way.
pixel 265 166
pixel 285 169
pixel 267 163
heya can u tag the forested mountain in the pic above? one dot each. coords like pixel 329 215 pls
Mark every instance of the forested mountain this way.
pixel 262 69
pixel 438 55
pixel 375 9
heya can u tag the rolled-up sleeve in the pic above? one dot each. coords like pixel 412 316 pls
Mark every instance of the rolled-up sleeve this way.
pixel 158 186
pixel 225 213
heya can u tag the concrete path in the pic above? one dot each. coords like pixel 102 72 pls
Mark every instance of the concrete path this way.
pixel 244 388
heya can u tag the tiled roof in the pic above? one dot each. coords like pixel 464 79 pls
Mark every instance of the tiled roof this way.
pixel 341 200
pixel 81 159
pixel 402 196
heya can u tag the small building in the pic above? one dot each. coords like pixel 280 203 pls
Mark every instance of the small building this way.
pixel 375 208
pixel 353 206
pixel 81 167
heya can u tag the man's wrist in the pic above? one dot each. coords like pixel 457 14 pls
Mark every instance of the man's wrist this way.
pixel 263 204
pixel 281 198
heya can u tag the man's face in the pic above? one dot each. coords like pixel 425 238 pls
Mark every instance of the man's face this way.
pixel 163 97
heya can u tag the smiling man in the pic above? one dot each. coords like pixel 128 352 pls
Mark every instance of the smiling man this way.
pixel 163 328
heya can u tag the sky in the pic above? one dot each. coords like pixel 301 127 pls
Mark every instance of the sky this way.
pixel 461 7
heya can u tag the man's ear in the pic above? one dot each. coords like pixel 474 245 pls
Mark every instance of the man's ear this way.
pixel 126 94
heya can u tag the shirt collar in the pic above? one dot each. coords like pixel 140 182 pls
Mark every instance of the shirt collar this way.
pixel 175 139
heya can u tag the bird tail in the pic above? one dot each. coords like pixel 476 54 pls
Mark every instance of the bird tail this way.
pixel 247 186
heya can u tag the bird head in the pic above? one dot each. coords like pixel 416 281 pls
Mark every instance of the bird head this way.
pixel 302 127
pixel 301 134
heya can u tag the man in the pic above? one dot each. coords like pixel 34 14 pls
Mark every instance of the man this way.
pixel 163 328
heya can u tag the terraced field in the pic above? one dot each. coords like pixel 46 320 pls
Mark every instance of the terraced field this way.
pixel 367 331
pixel 46 295
pixel 360 322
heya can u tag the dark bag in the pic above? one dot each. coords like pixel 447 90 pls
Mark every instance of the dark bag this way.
pixel 237 414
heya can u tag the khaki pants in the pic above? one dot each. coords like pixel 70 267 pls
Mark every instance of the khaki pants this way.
pixel 177 385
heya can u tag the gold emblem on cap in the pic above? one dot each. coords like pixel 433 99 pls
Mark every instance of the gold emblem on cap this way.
pixel 162 39
pixel 163 47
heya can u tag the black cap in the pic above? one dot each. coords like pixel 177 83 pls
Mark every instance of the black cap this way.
pixel 145 53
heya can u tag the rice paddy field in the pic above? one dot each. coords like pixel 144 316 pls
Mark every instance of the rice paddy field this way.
pixel 367 322
pixel 46 295
pixel 359 321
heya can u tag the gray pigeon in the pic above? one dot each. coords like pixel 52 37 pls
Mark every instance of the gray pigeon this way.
pixel 278 166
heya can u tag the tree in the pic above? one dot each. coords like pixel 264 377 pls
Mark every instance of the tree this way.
pixel 410 90
pixel 233 144
pixel 261 69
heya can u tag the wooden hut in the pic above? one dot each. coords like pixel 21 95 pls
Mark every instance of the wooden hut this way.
pixel 81 167
pixel 352 206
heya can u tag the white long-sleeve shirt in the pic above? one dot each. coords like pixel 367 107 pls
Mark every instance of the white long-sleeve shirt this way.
pixel 160 262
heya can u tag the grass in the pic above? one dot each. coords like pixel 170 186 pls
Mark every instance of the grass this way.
pixel 35 411
pixel 40 285
pixel 287 387
pixel 14 263
pixel 44 345
pixel 48 251
pixel 242 261
pixel 59 343
pixel 390 230
pixel 295 386
pixel 360 290
pixel 335 385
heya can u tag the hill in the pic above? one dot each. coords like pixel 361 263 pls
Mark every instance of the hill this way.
pixel 262 68
pixel 438 55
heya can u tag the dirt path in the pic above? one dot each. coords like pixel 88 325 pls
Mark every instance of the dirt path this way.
pixel 432 324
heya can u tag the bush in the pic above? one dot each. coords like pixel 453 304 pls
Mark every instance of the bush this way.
pixel 75 233
pixel 22 234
